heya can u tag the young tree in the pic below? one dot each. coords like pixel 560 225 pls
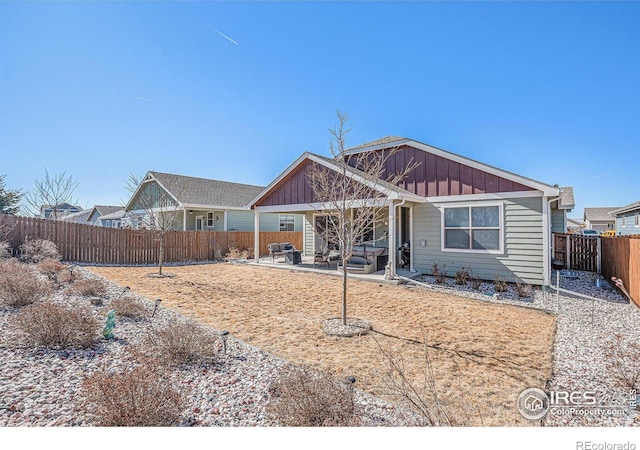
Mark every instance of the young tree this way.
pixel 9 198
pixel 353 196
pixel 155 209
pixel 52 190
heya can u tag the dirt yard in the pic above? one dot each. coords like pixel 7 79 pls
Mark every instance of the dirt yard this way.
pixel 487 353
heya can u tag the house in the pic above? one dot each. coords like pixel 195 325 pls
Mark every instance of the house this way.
pixel 627 219
pixel 574 225
pixel 599 218
pixel 202 204
pixel 108 216
pixel 75 217
pixel 57 211
pixel 450 210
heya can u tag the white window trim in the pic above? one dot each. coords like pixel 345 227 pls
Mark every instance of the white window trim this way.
pixel 501 227
pixel 210 223
pixel 280 221
pixel 637 218
pixel 624 222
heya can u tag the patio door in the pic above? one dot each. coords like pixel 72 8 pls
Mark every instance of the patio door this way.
pixel 199 223
pixel 324 227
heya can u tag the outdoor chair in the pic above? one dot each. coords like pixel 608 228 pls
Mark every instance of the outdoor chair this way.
pixel 321 257
pixel 279 249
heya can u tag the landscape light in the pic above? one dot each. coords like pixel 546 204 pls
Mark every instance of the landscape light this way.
pixel 223 336
pixel 155 307
pixel 351 380
pixel 126 289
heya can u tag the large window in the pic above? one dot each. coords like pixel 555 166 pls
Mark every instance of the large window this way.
pixel 472 228
pixel 287 222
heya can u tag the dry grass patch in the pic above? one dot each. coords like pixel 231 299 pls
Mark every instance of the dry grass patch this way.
pixel 490 352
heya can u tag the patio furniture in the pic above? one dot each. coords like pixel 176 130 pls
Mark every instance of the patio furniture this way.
pixel 279 249
pixel 321 257
pixel 379 256
pixel 292 257
pixel 357 264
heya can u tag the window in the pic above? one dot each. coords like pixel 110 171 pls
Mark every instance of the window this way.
pixel 624 221
pixel 637 224
pixel 210 219
pixel 287 222
pixel 472 228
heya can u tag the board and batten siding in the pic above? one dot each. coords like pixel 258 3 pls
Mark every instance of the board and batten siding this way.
pixel 523 243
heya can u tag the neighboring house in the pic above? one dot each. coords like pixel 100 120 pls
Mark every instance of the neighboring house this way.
pixel 107 216
pixel 76 217
pixel 627 219
pixel 574 225
pixel 47 211
pixel 599 219
pixel 204 204
pixel 454 212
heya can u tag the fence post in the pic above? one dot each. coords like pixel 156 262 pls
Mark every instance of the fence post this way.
pixel 568 252
pixel 599 256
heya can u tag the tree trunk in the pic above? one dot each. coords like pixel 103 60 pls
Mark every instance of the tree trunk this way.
pixel 344 291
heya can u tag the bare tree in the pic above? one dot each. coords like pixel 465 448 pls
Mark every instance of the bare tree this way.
pixel 52 190
pixel 155 210
pixel 353 196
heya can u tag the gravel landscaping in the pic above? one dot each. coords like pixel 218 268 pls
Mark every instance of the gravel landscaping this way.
pixel 593 346
pixel 42 387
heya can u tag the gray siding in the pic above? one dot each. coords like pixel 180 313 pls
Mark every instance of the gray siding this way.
pixel 630 225
pixel 523 244
pixel 558 222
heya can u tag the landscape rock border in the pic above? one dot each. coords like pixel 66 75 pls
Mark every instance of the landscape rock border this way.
pixel 354 327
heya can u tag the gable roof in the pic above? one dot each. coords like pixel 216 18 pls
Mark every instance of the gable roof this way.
pixel 76 217
pixel 599 214
pixel 193 192
pixel 395 141
pixel 103 210
pixel 625 209
pixel 567 200
pixel 384 187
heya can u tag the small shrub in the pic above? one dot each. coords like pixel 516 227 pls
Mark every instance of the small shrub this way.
pixel 440 275
pixel 499 284
pixel 476 283
pixel 462 276
pixel 68 276
pixel 54 325
pixel 235 253
pixel 87 287
pixel 524 289
pixel 21 285
pixel 51 267
pixel 129 307
pixel 5 250
pixel 36 250
pixel 303 398
pixel 183 342
pixel 621 351
pixel 140 397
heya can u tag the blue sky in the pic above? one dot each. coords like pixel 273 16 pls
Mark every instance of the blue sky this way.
pixel 237 91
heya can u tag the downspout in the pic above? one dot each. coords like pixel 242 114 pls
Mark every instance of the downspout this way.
pixel 546 240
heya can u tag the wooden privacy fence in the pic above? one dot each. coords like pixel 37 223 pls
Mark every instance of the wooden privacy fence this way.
pixel 98 245
pixel 578 252
pixel 621 259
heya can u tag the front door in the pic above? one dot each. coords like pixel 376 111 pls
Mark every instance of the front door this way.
pixel 199 223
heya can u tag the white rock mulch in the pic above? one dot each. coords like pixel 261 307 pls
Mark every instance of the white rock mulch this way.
pixel 586 353
pixel 41 387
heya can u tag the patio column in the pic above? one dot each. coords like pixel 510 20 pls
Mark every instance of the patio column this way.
pixel 411 269
pixel 184 220
pixel 225 225
pixel 392 238
pixel 256 237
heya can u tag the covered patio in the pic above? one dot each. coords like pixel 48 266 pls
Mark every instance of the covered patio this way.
pixel 386 244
